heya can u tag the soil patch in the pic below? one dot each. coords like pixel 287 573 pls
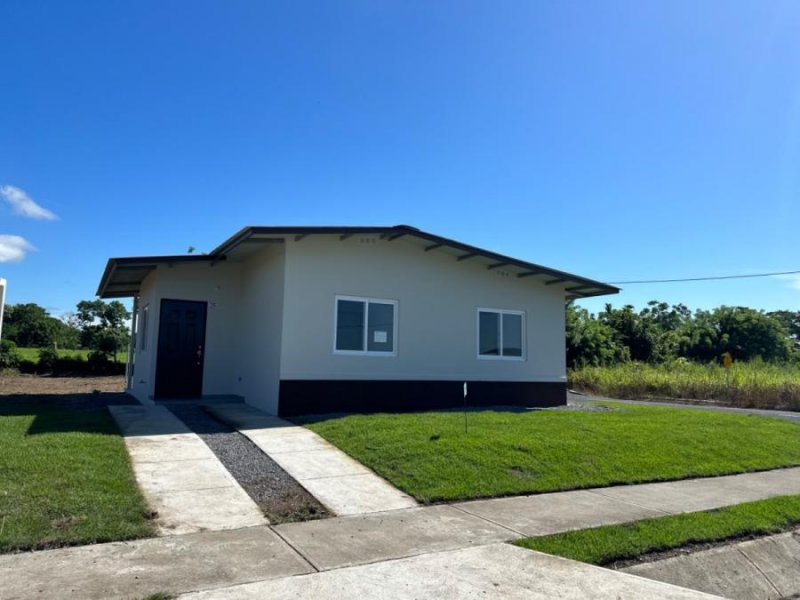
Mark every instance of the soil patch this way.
pixel 35 392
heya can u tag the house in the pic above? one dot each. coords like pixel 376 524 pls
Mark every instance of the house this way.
pixel 298 320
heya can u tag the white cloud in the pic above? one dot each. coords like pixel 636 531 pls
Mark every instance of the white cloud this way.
pixel 13 248
pixel 22 204
pixel 793 281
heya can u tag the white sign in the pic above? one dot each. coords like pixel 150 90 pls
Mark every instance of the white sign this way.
pixel 380 337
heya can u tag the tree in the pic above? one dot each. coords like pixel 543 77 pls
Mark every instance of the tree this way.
pixel 28 325
pixel 103 326
pixel 744 332
pixel 631 330
pixel 791 321
pixel 591 342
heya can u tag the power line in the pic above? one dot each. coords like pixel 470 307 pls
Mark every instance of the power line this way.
pixel 706 278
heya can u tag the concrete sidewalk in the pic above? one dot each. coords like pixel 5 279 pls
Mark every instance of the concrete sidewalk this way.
pixel 767 568
pixel 180 476
pixel 347 541
pixel 212 560
pixel 343 485
pixel 496 571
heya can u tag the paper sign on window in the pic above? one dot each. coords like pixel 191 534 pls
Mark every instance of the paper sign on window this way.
pixel 380 337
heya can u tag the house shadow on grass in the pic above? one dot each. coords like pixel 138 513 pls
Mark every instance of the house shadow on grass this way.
pixel 64 413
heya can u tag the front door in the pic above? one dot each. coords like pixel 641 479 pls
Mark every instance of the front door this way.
pixel 181 347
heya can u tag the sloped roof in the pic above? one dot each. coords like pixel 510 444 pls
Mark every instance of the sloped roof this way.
pixel 123 276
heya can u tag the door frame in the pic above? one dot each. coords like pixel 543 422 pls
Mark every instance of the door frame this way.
pixel 156 395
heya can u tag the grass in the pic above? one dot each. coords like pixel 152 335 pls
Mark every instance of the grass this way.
pixel 65 479
pixel 611 543
pixel 429 456
pixel 32 354
pixel 753 384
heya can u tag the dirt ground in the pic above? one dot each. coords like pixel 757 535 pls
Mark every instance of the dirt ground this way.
pixel 15 385
pixel 22 393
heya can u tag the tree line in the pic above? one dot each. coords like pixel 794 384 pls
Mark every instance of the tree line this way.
pixel 98 326
pixel 662 332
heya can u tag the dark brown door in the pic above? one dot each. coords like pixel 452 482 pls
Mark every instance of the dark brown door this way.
pixel 181 349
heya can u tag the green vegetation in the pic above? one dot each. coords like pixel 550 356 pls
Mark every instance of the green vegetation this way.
pixel 96 334
pixel 611 543
pixel 429 456
pixel 662 333
pixel 32 354
pixel 753 384
pixel 66 479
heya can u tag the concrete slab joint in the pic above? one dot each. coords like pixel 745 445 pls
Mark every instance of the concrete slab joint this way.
pixel 343 485
pixel 181 478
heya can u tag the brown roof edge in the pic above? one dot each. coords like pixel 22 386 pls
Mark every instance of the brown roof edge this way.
pixel 145 261
pixel 587 287
pixel 591 284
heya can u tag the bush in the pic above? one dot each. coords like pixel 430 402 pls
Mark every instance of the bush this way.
pixel 52 363
pixel 48 358
pixel 9 357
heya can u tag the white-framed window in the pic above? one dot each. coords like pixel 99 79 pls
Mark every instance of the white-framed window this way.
pixel 365 326
pixel 143 332
pixel 501 334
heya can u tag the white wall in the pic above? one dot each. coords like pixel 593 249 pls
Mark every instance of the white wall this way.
pixel 271 316
pixel 260 323
pixel 437 313
pixel 141 383
pixel 219 286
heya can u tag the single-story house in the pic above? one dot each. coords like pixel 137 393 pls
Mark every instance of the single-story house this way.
pixel 299 320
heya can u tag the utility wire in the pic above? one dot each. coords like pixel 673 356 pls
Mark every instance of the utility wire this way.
pixel 706 278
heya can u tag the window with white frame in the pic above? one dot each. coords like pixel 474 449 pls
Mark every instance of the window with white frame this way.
pixel 365 326
pixel 501 334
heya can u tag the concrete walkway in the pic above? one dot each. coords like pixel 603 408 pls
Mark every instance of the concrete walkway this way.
pixel 343 485
pixel 213 560
pixel 573 398
pixel 768 567
pixel 497 571
pixel 180 476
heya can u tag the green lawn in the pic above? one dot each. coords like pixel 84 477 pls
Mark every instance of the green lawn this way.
pixel 32 354
pixel 605 545
pixel 429 456
pixel 65 478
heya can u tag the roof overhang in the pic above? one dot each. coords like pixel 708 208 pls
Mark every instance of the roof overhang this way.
pixel 123 277
pixel 574 285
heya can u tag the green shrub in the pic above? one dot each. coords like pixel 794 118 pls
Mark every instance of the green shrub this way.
pixel 9 356
pixel 48 357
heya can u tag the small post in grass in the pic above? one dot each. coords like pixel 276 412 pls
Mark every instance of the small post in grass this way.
pixel 727 362
pixel 465 407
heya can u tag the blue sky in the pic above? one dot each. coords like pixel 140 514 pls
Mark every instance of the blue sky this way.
pixel 617 140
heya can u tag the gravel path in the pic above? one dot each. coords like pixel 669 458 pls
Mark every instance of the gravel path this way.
pixel 280 497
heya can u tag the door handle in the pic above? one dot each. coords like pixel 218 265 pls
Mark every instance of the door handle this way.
pixel 199 354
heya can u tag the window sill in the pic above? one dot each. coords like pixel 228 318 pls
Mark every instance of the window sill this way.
pixel 508 358
pixel 363 353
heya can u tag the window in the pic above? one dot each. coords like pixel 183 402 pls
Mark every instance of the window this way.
pixel 365 326
pixel 143 334
pixel 501 334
